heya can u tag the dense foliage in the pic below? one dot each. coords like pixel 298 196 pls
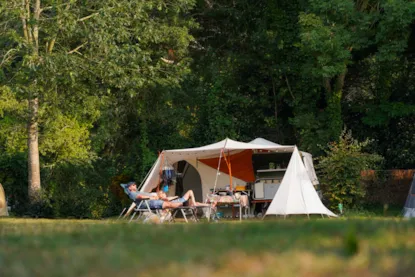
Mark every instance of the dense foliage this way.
pixel 340 170
pixel 105 85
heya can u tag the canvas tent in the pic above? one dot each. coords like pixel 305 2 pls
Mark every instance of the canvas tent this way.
pixel 409 208
pixel 3 203
pixel 296 194
pixel 215 163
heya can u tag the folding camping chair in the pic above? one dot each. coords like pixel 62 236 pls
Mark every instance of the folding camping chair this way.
pixel 142 210
pixel 145 213
pixel 188 213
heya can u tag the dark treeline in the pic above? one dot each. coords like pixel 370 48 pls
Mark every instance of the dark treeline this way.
pixel 92 90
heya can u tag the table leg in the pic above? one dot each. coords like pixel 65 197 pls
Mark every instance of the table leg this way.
pixel 209 212
pixel 233 211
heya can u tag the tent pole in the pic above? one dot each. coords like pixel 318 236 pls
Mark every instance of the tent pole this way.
pixel 160 171
pixel 228 164
pixel 217 170
pixel 220 157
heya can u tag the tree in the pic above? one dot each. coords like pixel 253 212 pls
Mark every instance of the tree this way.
pixel 60 58
pixel 336 36
pixel 340 170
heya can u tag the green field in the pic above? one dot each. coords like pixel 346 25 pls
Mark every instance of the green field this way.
pixel 293 247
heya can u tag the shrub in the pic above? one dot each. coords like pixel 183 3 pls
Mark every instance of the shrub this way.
pixel 340 170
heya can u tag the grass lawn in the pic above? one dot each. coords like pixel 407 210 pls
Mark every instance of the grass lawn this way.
pixel 292 247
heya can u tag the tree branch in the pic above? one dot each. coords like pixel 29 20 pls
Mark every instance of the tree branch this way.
pixel 36 26
pixel 275 100
pixel 289 87
pixel 25 15
pixel 167 61
pixel 88 17
pixel 8 56
pixel 77 48
pixel 51 44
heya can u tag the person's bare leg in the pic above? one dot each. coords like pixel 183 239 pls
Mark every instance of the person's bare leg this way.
pixel 189 196
pixel 171 205
pixel 205 204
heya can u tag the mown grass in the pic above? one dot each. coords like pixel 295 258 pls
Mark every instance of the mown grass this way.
pixel 292 247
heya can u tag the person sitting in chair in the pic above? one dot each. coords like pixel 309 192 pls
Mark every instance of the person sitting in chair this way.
pixel 154 201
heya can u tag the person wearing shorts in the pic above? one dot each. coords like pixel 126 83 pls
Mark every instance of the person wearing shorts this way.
pixel 187 197
pixel 154 201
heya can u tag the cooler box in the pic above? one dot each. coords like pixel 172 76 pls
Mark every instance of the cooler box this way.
pixel 265 190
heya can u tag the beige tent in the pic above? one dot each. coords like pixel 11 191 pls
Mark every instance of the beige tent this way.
pixel 3 204
pixel 209 163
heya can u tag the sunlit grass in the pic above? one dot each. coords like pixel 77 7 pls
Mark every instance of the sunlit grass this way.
pixel 293 247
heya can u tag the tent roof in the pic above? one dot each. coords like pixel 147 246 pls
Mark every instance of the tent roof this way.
pixel 213 150
pixel 196 154
pixel 262 141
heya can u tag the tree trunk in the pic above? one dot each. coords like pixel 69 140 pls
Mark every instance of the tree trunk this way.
pixel 33 145
pixel 334 110
pixel 31 32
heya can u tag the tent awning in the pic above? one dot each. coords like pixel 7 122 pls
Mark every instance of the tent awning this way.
pixel 209 155
pixel 241 165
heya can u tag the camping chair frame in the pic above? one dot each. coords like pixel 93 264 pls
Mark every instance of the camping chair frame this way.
pixel 189 211
pixel 144 213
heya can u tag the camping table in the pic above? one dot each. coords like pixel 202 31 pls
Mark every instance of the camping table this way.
pixel 230 200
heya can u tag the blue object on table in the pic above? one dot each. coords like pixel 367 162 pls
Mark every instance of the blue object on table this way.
pixel 166 188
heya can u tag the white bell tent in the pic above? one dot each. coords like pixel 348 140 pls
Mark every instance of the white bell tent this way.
pixel 409 208
pixel 296 194
pixel 3 203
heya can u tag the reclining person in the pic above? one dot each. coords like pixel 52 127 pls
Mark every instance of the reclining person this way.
pixel 187 197
pixel 154 201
